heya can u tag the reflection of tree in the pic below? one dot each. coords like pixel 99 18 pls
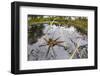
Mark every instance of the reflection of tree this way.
pixel 35 32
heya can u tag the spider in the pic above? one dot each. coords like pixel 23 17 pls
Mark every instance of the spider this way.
pixel 51 43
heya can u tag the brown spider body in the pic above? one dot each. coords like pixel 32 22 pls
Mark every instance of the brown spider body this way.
pixel 51 43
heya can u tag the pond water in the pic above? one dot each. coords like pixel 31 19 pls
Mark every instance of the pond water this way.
pixel 69 44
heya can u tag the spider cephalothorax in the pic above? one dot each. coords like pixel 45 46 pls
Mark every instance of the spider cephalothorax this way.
pixel 51 43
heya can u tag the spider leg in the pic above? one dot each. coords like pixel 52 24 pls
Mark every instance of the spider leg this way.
pixel 57 39
pixel 48 51
pixel 62 46
pixel 45 39
pixel 72 41
pixel 53 35
pixel 54 52
pixel 60 41
pixel 42 45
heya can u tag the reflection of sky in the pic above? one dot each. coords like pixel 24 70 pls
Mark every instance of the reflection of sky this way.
pixel 65 34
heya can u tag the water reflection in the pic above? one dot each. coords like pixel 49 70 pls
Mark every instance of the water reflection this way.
pixel 47 42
